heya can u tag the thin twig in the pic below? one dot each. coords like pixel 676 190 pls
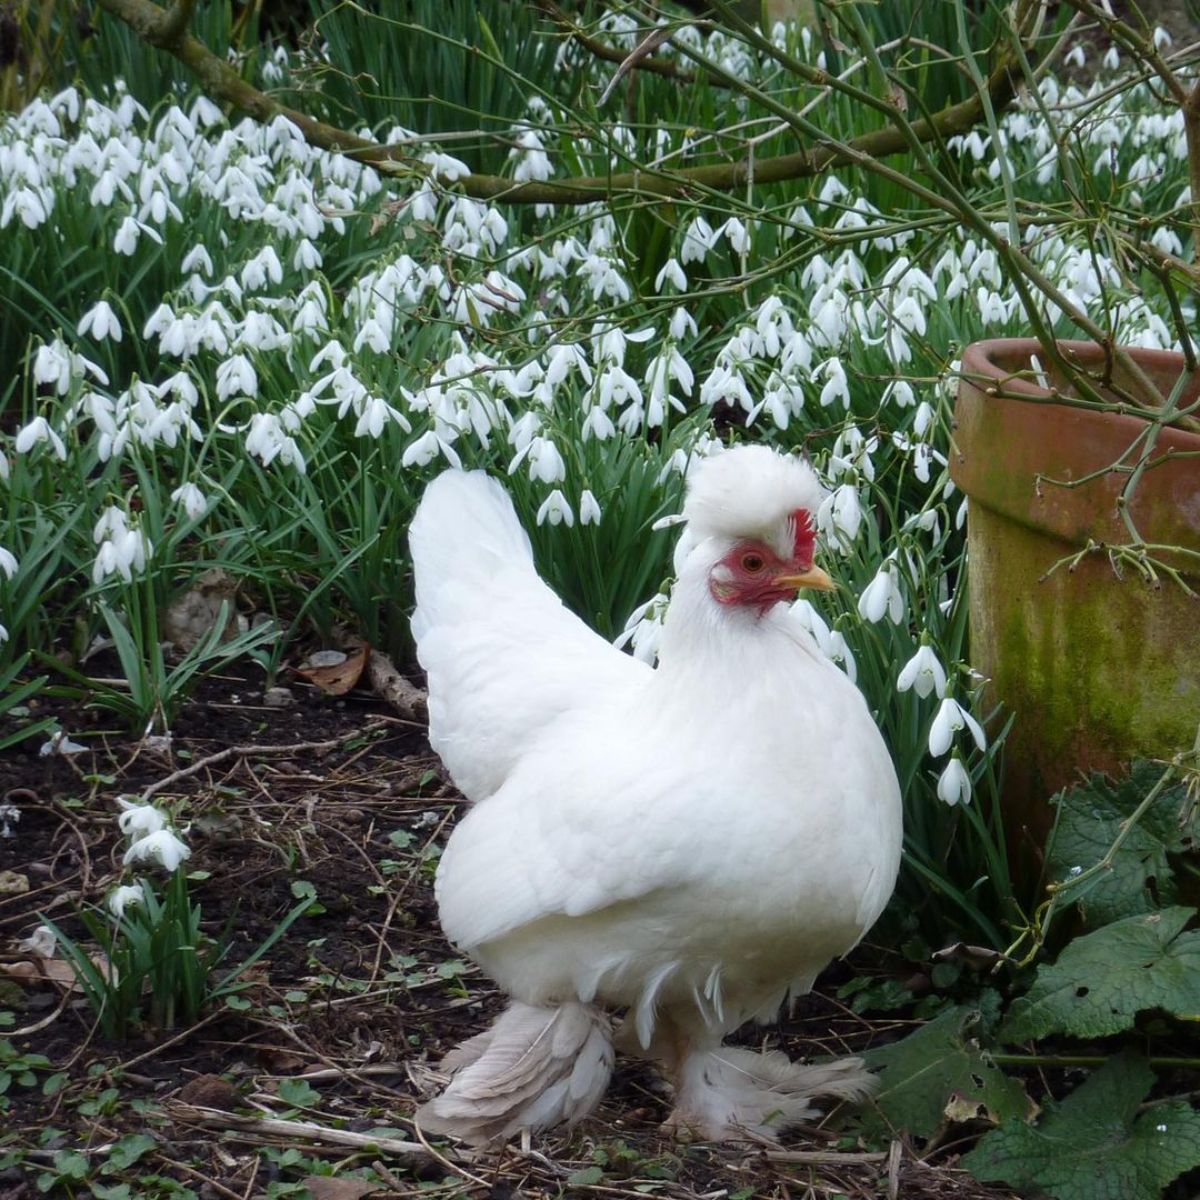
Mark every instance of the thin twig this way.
pixel 255 751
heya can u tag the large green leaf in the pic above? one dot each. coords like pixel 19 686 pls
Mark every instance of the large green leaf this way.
pixel 1141 878
pixel 1093 1145
pixel 940 1073
pixel 1102 980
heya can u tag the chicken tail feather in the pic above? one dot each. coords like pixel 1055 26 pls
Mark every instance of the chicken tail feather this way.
pixel 728 1092
pixel 535 1067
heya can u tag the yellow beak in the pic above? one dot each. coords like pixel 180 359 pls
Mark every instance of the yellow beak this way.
pixel 814 577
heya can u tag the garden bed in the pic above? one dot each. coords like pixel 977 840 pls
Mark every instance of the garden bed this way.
pixel 365 993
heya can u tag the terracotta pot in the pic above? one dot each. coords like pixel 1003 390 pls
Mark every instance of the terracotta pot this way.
pixel 1096 669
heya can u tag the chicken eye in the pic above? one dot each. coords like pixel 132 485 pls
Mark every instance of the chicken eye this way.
pixel 753 563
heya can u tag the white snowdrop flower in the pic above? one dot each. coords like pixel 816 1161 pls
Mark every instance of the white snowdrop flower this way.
pixel 1075 57
pixel 262 269
pixel 841 515
pixel 952 718
pixel 8 561
pixel 376 413
pixel 110 524
pixel 445 166
pixel 40 430
pixel 1112 58
pixel 882 595
pixel 372 335
pixel 423 450
pixel 127 237
pixel 100 322
pixel 197 259
pixel 126 896
pixel 598 424
pixel 697 242
pixel 555 509
pixel 991 306
pixel 3 634
pixel 923 673
pixel 139 820
pixel 1162 38
pixel 832 191
pixel 132 550
pixel 307 256
pixel 672 273
pixel 545 462
pixel 1166 240
pixel 161 847
pixel 954 783
pixel 192 499
pixel 836 387
pixel 41 942
pixel 30 205
pixel 839 652
pixel 61 744
pixel 236 377
pixel 900 391
pixel 922 419
pixel 589 508
pixel 54 364
pixel 681 325
pixel 737 235
pixel 10 815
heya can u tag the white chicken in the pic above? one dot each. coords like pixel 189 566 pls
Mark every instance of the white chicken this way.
pixel 685 846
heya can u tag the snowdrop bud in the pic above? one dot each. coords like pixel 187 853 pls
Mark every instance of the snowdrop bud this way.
pixel 8 561
pixel 192 499
pixel 589 509
pixel 161 847
pixel 121 898
pixel 139 820
pixel 883 595
pixel 100 322
pixel 923 673
pixel 952 718
pixel 954 784
pixel 555 509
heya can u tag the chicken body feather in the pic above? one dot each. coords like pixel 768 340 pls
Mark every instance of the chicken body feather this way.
pixel 689 844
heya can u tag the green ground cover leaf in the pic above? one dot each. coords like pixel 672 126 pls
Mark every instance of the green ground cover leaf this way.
pixel 1141 878
pixel 1102 980
pixel 941 1073
pixel 1093 1145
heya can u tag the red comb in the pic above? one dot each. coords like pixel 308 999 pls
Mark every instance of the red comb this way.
pixel 804 543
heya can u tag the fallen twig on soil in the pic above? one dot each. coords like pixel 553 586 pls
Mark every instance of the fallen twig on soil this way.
pixel 257 751
pixel 305 1131
pixel 408 700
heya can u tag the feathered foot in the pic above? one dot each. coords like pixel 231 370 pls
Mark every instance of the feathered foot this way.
pixel 534 1068
pixel 728 1093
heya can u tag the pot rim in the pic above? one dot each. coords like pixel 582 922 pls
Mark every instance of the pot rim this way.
pixel 1007 453
pixel 979 362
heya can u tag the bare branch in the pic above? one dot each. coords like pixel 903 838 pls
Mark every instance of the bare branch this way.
pixel 221 82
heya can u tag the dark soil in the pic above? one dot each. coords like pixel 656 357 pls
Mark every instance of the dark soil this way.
pixel 365 991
